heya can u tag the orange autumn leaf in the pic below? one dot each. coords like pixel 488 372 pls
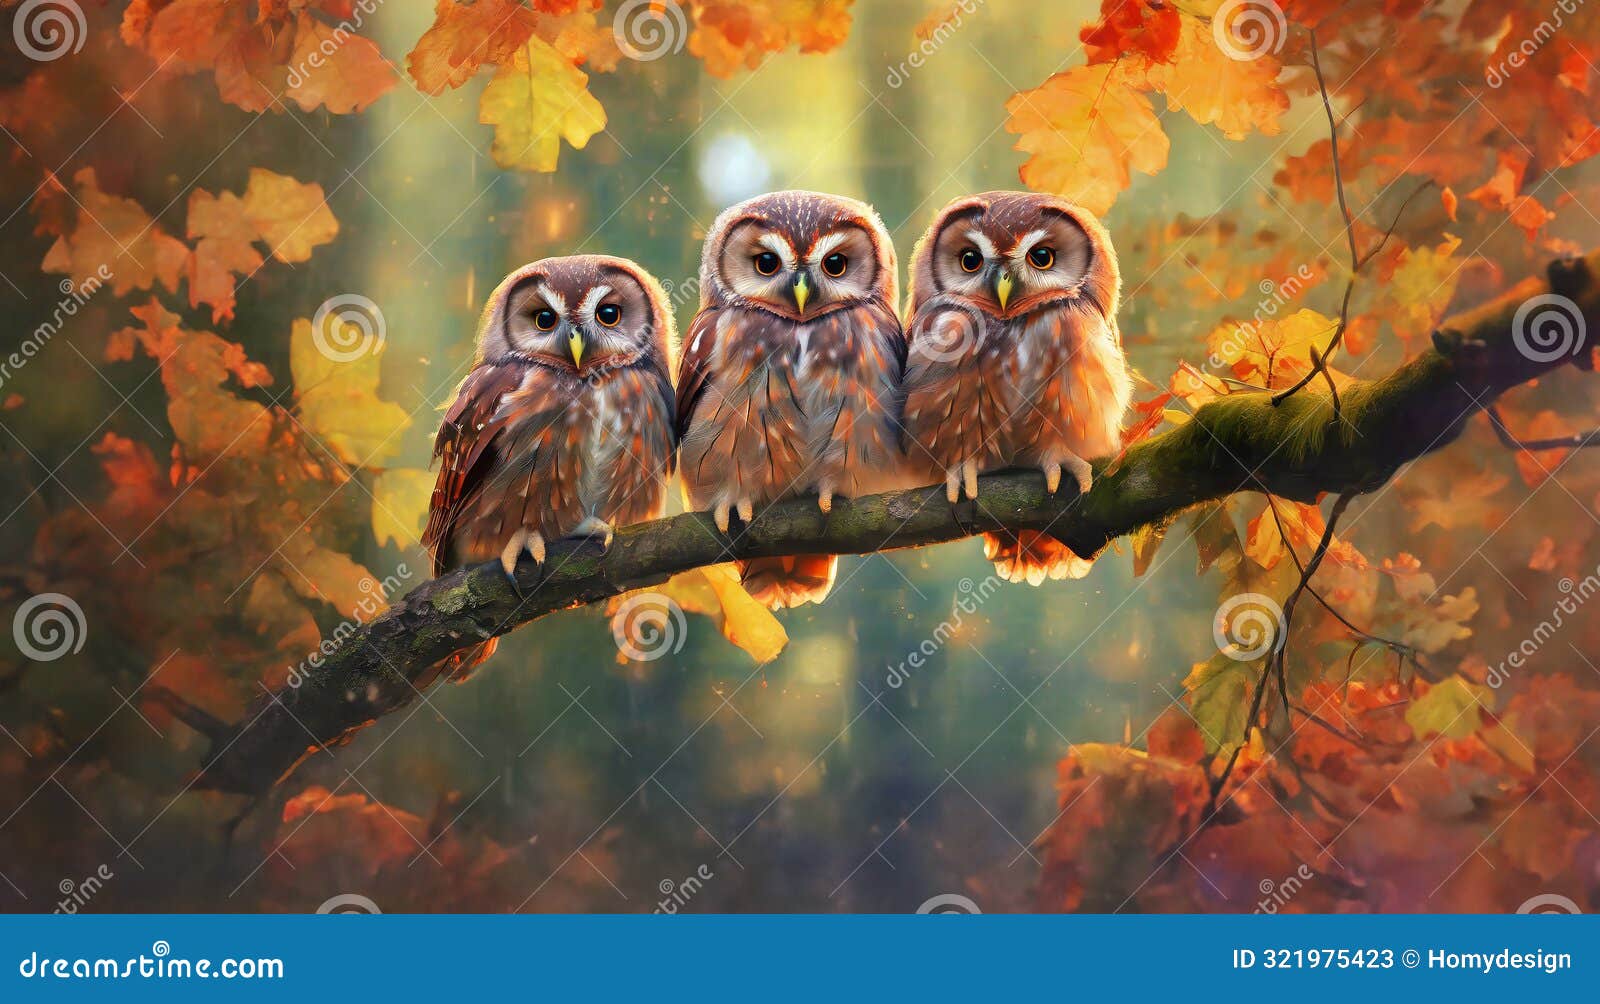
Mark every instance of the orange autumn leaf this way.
pixel 115 235
pixel 464 37
pixel 1238 96
pixel 1304 526
pixel 334 69
pixel 1086 130
pixel 292 216
pixel 1147 28
pixel 729 36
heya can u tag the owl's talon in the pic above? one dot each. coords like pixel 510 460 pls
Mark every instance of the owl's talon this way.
pixel 1052 477
pixel 595 528
pixel 952 485
pixel 969 477
pixel 825 500
pixel 747 511
pixel 522 539
pixel 720 516
pixel 1081 472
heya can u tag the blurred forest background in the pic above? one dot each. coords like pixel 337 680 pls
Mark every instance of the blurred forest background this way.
pixel 217 477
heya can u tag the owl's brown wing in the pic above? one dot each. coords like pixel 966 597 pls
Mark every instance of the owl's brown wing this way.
pixel 694 367
pixel 467 449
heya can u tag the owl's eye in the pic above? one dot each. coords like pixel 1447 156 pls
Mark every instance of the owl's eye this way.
pixel 834 265
pixel 608 314
pixel 767 263
pixel 546 320
pixel 971 260
pixel 1042 258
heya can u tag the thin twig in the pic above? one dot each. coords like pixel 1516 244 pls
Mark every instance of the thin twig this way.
pixel 1510 441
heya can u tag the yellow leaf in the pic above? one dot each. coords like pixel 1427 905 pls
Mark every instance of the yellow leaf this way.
pixel 534 102
pixel 400 499
pixel 292 217
pixel 715 592
pixel 337 393
pixel 1086 128
pixel 1237 95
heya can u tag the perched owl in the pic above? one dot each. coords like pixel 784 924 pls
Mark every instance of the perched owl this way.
pixel 1015 359
pixel 564 426
pixel 789 382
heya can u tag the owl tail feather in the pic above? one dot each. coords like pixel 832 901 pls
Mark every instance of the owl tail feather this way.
pixel 789 582
pixel 1030 556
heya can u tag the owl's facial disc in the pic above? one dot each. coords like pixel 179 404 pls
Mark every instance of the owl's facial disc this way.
pixel 799 280
pixel 609 320
pixel 1004 270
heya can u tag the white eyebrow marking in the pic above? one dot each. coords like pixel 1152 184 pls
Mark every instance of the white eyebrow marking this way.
pixel 1025 245
pixel 780 247
pixel 984 244
pixel 591 301
pixel 826 245
pixel 554 300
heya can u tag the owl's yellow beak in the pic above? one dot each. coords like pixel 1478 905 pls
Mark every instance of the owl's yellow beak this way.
pixel 575 345
pixel 802 293
pixel 1002 288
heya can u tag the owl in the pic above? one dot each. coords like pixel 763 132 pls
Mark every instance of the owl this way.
pixel 1015 359
pixel 564 426
pixel 789 381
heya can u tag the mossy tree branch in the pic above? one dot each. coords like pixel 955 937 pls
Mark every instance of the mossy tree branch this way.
pixel 1298 448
